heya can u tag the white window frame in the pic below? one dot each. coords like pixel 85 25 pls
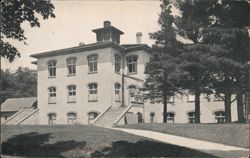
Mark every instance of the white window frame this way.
pixel 219 118
pixel 93 92
pixel 51 118
pixel 71 93
pixel 92 63
pixel 170 117
pixel 71 117
pixel 117 63
pixel 117 92
pixel 191 117
pixel 132 64
pixel 71 64
pixel 52 68
pixel 52 95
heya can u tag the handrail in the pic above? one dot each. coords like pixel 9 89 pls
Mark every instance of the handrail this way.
pixel 17 113
pixel 25 118
pixel 123 113
pixel 101 114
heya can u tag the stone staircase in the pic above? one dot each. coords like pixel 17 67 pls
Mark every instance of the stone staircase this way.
pixel 109 117
pixel 19 116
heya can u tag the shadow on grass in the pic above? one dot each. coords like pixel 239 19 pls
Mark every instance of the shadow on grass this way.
pixel 147 149
pixel 35 145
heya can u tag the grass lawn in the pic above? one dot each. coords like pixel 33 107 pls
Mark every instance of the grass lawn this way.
pixel 230 134
pixel 84 141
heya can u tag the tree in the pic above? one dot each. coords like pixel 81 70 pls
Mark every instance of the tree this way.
pixel 21 83
pixel 162 67
pixel 219 28
pixel 13 14
pixel 190 25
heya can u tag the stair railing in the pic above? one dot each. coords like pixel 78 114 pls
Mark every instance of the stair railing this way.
pixel 26 117
pixel 17 113
pixel 100 115
pixel 122 114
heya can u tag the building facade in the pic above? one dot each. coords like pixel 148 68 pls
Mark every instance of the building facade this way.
pixel 83 84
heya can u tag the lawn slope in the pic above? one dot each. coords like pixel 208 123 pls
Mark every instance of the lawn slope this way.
pixel 84 141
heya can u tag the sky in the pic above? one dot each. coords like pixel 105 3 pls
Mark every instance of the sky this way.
pixel 75 21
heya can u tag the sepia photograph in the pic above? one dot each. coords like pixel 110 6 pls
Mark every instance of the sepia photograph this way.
pixel 125 78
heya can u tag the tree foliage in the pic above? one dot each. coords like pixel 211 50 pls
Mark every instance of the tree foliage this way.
pixel 162 68
pixel 218 27
pixel 13 14
pixel 21 83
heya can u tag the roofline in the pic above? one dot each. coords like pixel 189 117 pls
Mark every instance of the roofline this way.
pixel 140 47
pixel 107 28
pixel 78 49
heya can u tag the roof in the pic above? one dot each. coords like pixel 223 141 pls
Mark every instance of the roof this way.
pixel 16 104
pixel 108 28
pixel 123 48
pixel 70 50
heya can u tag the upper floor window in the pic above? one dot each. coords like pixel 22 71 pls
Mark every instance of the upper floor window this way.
pixel 71 66
pixel 52 68
pixel 117 91
pixel 191 117
pixel 92 62
pixel 117 63
pixel 170 99
pixel 170 117
pixel 51 118
pixel 132 64
pixel 72 93
pixel 93 92
pixel 71 118
pixel 219 116
pixel 52 95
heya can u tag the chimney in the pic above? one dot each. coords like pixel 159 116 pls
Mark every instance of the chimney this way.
pixel 138 38
pixel 106 23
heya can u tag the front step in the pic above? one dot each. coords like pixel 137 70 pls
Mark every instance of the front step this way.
pixel 109 117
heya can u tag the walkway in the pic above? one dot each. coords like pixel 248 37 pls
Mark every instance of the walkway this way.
pixel 217 149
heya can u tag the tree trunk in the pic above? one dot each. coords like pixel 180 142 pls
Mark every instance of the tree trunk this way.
pixel 197 107
pixel 165 107
pixel 240 107
pixel 228 107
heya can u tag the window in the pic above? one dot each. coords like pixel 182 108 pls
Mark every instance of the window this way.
pixel 117 63
pixel 170 117
pixel 117 91
pixel 93 92
pixel 71 118
pixel 52 95
pixel 71 66
pixel 152 115
pixel 71 94
pixel 91 116
pixel 132 90
pixel 51 118
pixel 92 62
pixel 191 98
pixel 191 117
pixel 139 116
pixel 170 99
pixel 219 116
pixel 52 68
pixel 132 64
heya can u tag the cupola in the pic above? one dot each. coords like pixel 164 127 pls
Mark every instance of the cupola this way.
pixel 108 33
